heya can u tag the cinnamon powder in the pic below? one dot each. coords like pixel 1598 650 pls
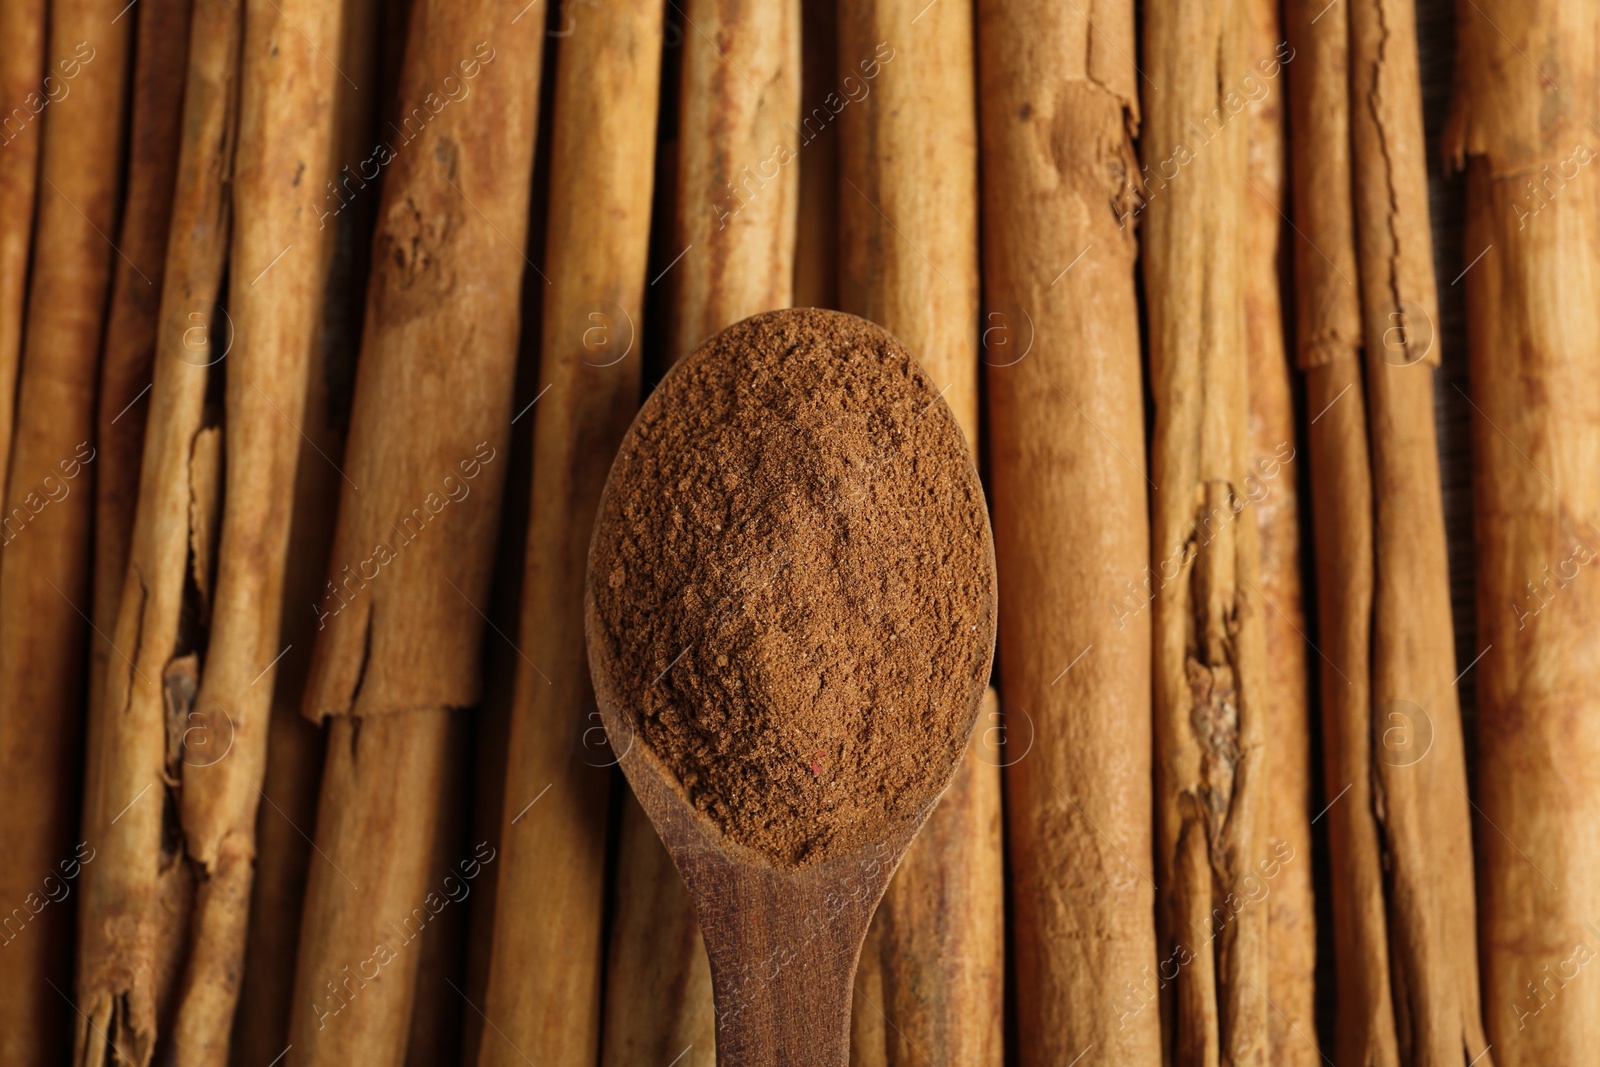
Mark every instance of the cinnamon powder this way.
pixel 793 574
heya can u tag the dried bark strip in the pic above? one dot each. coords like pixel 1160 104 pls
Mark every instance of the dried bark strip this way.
pixel 1420 800
pixel 738 180
pixel 45 529
pixel 420 508
pixel 1212 766
pixel 130 340
pixel 22 71
pixel 738 190
pixel 279 259
pixel 1329 353
pixel 908 237
pixel 293 773
pixel 1274 499
pixel 137 893
pixel 1525 126
pixel 1059 108
pixel 551 897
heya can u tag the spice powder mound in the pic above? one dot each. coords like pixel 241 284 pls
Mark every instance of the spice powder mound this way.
pixel 793 579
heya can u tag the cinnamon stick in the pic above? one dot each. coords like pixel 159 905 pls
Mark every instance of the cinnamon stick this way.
pixel 738 185
pixel 293 771
pixel 286 129
pixel 737 193
pixel 137 893
pixel 908 235
pixel 22 72
pixel 401 628
pixel 1065 396
pixel 1329 350
pixel 125 372
pixel 1211 698
pixel 1291 907
pixel 1422 799
pixel 1524 124
pixel 45 531
pixel 550 901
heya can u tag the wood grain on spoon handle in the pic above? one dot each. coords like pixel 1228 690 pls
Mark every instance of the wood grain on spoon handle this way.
pixel 783 943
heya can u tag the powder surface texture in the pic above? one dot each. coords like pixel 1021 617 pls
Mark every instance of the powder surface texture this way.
pixel 794 577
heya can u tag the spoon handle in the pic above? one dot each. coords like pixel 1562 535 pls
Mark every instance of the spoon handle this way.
pixel 784 947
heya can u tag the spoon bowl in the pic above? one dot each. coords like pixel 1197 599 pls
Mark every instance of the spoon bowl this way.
pixel 784 938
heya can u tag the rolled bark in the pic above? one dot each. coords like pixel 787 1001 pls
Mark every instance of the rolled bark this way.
pixel 1066 420
pixel 293 771
pixel 1291 906
pixel 1524 124
pixel 737 195
pixel 1213 768
pixel 45 531
pixel 1329 349
pixel 1421 797
pixel 738 185
pixel 280 253
pixel 130 339
pixel 22 72
pixel 137 893
pixel 908 236
pixel 551 898
pixel 400 628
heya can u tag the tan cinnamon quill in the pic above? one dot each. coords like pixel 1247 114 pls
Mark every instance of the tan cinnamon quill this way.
pixel 1525 127
pixel 1061 331
pixel 1421 799
pixel 1329 351
pixel 551 896
pixel 1213 767
pixel 138 891
pixel 400 646
pixel 930 980
pixel 293 771
pixel 1291 907
pixel 22 73
pixel 738 183
pixel 280 252
pixel 45 530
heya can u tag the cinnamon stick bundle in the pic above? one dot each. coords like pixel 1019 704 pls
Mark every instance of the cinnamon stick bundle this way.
pixel 1524 124
pixel 908 234
pixel 1291 906
pixel 22 69
pixel 551 897
pixel 137 893
pixel 737 194
pixel 400 634
pixel 45 531
pixel 1213 768
pixel 1066 417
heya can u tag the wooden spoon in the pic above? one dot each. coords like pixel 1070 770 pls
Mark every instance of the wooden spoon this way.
pixel 783 942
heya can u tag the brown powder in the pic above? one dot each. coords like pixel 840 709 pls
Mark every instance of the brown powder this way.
pixel 793 574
